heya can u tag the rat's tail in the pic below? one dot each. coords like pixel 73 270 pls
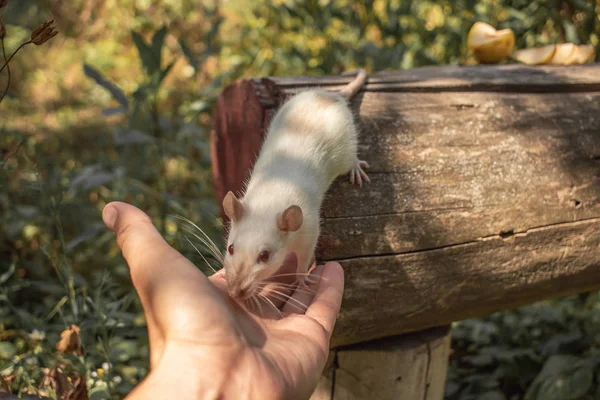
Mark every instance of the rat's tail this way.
pixel 353 87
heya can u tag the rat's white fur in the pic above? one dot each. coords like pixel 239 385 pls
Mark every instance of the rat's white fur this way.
pixel 311 141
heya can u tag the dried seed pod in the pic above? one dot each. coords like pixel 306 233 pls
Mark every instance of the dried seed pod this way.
pixel 43 33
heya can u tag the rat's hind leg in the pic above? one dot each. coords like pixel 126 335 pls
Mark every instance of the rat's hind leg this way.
pixel 357 174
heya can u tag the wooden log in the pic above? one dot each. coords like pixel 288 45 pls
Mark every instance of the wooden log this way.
pixel 484 196
pixel 411 366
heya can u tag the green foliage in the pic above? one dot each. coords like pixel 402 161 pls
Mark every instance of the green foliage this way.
pixel 59 263
pixel 546 351
pixel 121 112
pixel 310 37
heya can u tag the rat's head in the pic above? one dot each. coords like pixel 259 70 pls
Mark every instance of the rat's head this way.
pixel 257 244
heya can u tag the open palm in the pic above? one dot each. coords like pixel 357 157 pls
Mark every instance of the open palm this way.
pixel 205 345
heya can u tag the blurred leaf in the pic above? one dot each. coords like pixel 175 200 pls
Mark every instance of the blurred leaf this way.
pixel 493 395
pixel 482 381
pixel 570 32
pixel 187 52
pixel 554 344
pixel 99 393
pixel 563 377
pixel 89 233
pixel 109 112
pixel 146 54
pixel 157 43
pixel 124 350
pixel 200 106
pixel 165 72
pixel 7 350
pixel 569 387
pixel 6 276
pixel 90 177
pixel 27 212
pixel 115 91
pixel 480 360
pixel 451 388
pixel 132 136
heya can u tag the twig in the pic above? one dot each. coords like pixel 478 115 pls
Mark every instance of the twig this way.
pixel 7 70
pixel 5 161
pixel 5 384
pixel 15 52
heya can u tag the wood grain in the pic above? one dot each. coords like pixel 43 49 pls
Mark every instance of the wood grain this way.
pixel 410 366
pixel 511 78
pixel 409 292
pixel 440 175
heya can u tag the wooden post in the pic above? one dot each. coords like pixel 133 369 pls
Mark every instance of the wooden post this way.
pixel 411 366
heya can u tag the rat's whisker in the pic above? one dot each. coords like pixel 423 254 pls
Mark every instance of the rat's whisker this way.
pixel 201 255
pixel 288 297
pixel 258 304
pixel 291 304
pixel 252 301
pixel 294 288
pixel 207 241
pixel 217 256
pixel 213 251
pixel 271 303
pixel 297 274
pixel 322 278
pixel 281 298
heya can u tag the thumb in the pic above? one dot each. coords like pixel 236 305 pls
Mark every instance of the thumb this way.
pixel 142 245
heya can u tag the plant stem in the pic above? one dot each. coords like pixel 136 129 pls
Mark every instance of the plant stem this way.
pixel 5 161
pixel 162 180
pixel 15 52
pixel 6 385
pixel 7 70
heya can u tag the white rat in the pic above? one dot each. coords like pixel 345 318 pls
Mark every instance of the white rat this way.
pixel 311 141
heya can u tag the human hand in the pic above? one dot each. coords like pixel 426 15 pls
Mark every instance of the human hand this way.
pixel 205 345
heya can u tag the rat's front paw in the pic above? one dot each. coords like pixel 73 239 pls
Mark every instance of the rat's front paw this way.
pixel 357 174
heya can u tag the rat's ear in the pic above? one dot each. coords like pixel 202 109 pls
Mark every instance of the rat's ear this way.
pixel 290 220
pixel 233 207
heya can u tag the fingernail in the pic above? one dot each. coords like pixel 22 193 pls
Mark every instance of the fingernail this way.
pixel 109 216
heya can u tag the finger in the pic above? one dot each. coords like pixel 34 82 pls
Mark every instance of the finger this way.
pixel 146 252
pixel 328 300
pixel 149 257
pixel 219 280
pixel 304 294
pixel 110 215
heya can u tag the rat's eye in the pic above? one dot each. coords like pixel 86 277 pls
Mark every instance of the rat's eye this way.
pixel 230 249
pixel 263 257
